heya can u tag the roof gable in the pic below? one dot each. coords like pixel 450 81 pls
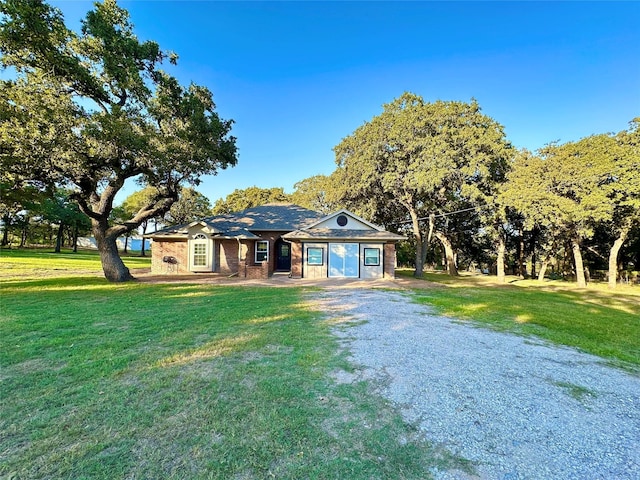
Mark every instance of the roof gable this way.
pixel 344 220
pixel 350 227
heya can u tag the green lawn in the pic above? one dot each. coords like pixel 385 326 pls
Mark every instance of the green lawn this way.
pixel 24 263
pixel 137 380
pixel 596 320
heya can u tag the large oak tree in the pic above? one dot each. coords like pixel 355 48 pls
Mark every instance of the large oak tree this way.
pixel 91 110
pixel 419 160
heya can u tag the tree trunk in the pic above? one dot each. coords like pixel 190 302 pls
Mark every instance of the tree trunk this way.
pixel 417 233
pixel 500 261
pixel 419 247
pixel 543 267
pixel 533 264
pixel 5 230
pixel 144 230
pixel 613 258
pixel 75 238
pixel 59 238
pixel 521 262
pixel 577 257
pixel 449 253
pixel 23 234
pixel 126 242
pixel 112 265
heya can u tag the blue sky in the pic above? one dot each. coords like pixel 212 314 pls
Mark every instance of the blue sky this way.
pixel 297 77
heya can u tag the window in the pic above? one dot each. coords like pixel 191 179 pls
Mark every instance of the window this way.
pixel 262 251
pixel 315 256
pixel 372 257
pixel 200 255
pixel 343 260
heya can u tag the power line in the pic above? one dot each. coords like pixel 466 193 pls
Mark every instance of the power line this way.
pixel 442 214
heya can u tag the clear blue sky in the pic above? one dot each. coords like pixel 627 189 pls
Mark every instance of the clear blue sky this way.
pixel 297 77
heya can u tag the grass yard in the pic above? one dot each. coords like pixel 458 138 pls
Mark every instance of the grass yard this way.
pixel 137 380
pixel 16 264
pixel 596 320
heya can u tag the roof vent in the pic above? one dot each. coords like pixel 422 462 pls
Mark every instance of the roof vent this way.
pixel 342 220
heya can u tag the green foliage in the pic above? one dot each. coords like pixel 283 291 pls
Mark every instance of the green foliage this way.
pixel 569 190
pixel 241 199
pixel 90 110
pixel 319 193
pixel 418 159
pixel 191 205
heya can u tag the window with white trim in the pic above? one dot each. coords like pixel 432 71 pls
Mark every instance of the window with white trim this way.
pixel 199 250
pixel 262 251
pixel 315 256
pixel 372 257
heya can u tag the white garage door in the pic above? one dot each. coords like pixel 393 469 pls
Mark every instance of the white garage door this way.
pixel 343 260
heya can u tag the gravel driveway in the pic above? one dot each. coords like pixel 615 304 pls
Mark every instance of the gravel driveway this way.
pixel 517 407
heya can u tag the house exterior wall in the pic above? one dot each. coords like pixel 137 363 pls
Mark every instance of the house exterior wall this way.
pixel 390 260
pixel 315 271
pixel 167 249
pixel 227 261
pixel 372 271
pixel 385 269
pixel 352 224
pixel 257 272
pixel 271 237
pixel 296 260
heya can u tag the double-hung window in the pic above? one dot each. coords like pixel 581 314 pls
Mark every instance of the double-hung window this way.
pixel 315 256
pixel 262 251
pixel 372 256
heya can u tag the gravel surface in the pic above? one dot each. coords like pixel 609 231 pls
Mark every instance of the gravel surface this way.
pixel 517 407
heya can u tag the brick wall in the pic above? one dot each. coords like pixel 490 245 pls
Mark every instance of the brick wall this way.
pixel 175 250
pixel 296 260
pixel 227 257
pixel 389 260
pixel 257 272
pixel 271 237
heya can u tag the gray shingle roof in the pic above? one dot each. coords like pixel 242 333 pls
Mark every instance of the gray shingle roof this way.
pixel 271 217
pixel 276 217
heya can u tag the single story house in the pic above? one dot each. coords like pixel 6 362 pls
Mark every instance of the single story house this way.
pixel 259 241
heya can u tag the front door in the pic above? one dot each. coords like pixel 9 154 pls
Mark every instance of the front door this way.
pixel 283 255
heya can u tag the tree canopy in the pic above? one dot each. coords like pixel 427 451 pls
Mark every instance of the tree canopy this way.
pixel 569 189
pixel 319 193
pixel 191 205
pixel 91 110
pixel 420 160
pixel 241 199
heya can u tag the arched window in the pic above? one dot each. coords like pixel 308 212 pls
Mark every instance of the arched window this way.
pixel 199 254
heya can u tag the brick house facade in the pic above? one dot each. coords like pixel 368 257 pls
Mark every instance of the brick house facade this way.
pixel 287 238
